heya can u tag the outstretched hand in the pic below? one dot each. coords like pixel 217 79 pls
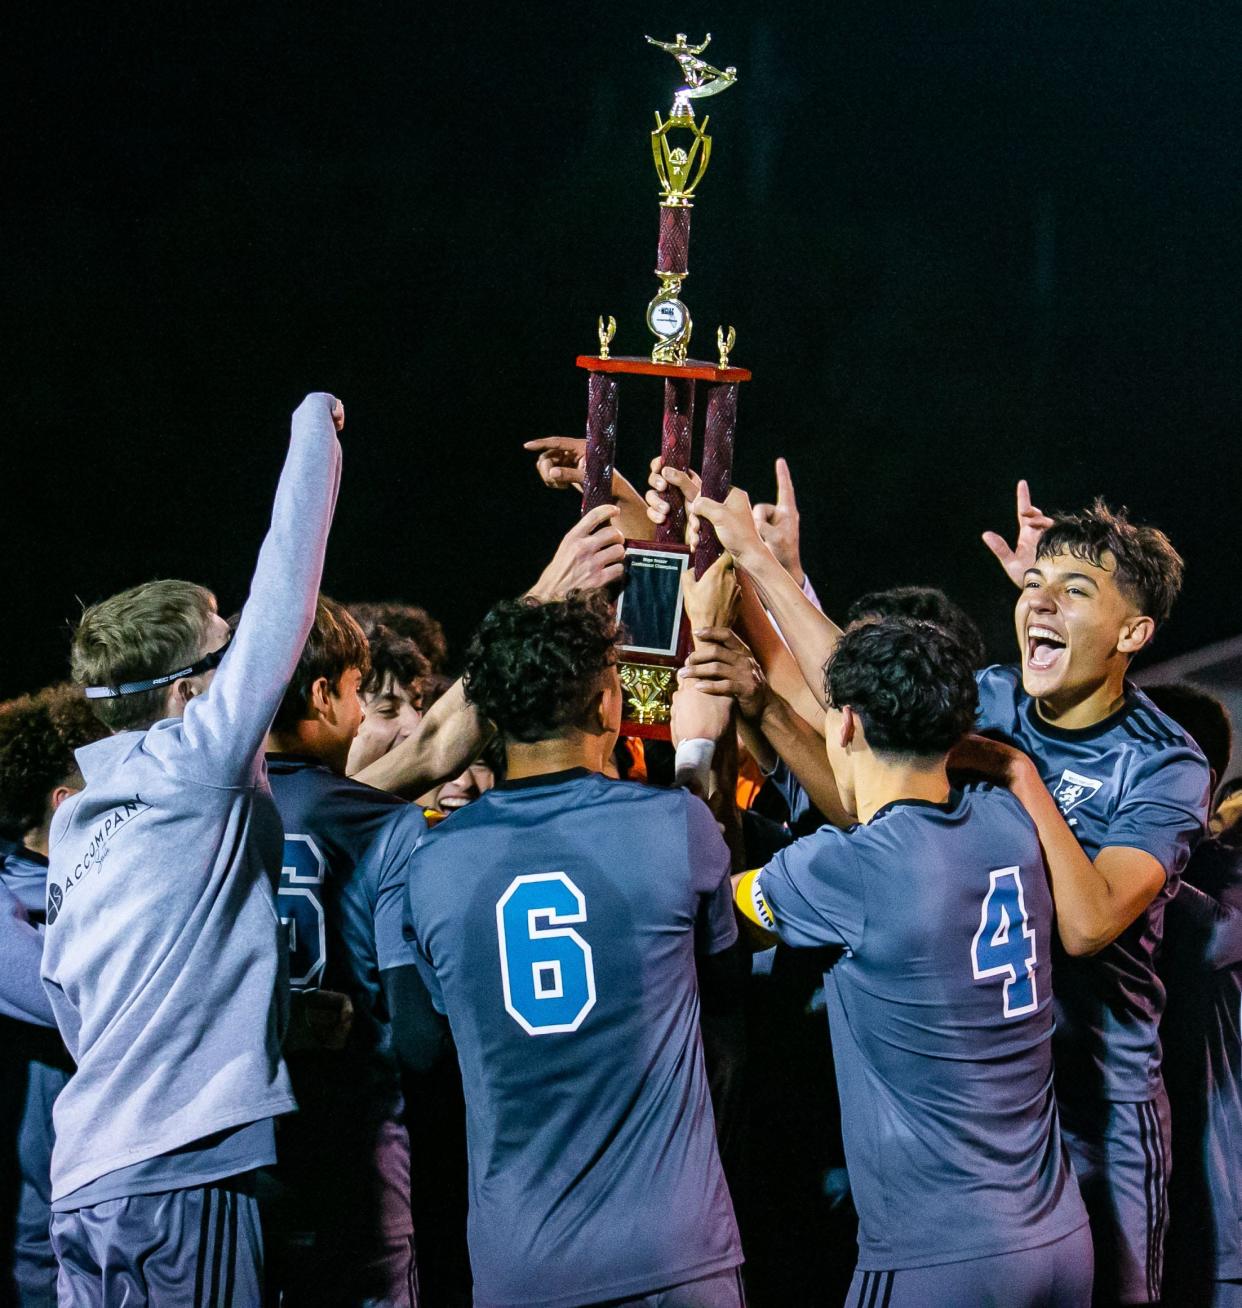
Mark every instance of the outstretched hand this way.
pixel 660 478
pixel 778 524
pixel 562 460
pixel 591 554
pixel 734 521
pixel 1032 523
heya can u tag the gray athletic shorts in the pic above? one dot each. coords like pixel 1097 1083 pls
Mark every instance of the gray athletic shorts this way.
pixel 720 1290
pixel 196 1248
pixel 1120 1154
pixel 1056 1275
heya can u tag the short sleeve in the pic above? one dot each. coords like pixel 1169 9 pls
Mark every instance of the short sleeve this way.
pixel 715 927
pixel 413 951
pixel 391 947
pixel 998 688
pixel 811 893
pixel 1164 809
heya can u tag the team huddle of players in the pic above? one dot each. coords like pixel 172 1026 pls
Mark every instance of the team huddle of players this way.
pixel 263 880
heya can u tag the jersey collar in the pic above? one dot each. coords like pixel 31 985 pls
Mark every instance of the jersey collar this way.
pixel 1101 728
pixel 544 779
pixel 941 806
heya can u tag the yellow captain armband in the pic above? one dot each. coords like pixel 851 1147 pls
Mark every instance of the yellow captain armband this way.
pixel 753 909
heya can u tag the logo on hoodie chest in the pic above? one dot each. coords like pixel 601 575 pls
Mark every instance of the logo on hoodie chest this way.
pixel 92 858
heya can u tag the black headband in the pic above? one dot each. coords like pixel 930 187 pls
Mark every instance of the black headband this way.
pixel 205 664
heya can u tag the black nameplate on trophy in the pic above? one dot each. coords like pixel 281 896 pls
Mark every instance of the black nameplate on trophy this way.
pixel 650 608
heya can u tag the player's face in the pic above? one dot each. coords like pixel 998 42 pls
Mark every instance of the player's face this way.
pixel 1070 618
pixel 476 780
pixel 345 715
pixel 391 716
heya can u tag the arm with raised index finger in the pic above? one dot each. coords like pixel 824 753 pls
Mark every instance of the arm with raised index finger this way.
pixel 809 634
pixel 562 464
pixel 779 525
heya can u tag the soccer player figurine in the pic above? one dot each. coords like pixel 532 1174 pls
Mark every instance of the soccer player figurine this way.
pixel 1120 795
pixel 341 1233
pixel 556 922
pixel 38 772
pixel 941 1007
pixel 163 948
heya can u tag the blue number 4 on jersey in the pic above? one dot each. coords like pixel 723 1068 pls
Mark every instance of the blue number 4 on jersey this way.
pixel 1000 950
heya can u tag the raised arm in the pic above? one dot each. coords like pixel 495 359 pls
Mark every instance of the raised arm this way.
pixel 452 734
pixel 562 464
pixel 810 635
pixel 723 666
pixel 226 726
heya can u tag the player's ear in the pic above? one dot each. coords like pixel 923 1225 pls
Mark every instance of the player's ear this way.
pixel 1135 634
pixel 58 795
pixel 180 693
pixel 849 727
pixel 319 698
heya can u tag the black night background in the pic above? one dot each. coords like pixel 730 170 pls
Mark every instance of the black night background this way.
pixel 960 244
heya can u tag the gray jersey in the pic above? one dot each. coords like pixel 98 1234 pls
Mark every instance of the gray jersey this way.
pixel 941 1018
pixel 556 922
pixel 163 945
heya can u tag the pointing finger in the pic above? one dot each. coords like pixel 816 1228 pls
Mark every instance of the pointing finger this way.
pixel 784 485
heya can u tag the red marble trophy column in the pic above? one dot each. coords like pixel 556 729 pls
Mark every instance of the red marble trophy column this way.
pixel 675 452
pixel 718 435
pixel 601 440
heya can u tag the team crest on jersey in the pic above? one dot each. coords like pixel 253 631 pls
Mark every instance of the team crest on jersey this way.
pixel 1072 789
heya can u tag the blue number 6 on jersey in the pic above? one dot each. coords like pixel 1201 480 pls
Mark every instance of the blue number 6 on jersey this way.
pixel 999 950
pixel 545 965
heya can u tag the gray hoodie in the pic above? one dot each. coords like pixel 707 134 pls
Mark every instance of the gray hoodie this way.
pixel 163 948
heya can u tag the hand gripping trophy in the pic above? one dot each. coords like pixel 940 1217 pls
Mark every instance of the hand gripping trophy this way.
pixel 650 606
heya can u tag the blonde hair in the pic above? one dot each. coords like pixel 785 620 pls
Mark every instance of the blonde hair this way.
pixel 142 632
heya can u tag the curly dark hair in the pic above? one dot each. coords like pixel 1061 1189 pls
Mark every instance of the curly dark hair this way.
pixel 398 657
pixel 38 734
pixel 335 645
pixel 534 668
pixel 927 603
pixel 1148 569
pixel 408 620
pixel 911 683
